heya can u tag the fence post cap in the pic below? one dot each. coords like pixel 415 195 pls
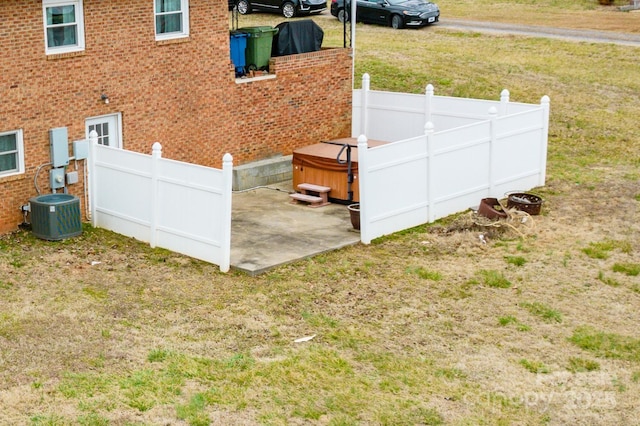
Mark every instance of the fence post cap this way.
pixel 428 127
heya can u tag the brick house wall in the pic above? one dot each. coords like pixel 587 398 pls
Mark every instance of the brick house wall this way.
pixel 181 93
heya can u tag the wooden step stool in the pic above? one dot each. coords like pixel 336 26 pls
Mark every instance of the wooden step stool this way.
pixel 315 195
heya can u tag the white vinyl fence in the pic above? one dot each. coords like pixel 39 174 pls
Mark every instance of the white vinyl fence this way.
pixel 179 206
pixel 445 155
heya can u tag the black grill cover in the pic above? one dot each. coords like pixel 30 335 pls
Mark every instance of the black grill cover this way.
pixel 297 37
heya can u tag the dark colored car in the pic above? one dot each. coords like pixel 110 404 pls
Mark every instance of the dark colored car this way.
pixel 288 8
pixel 394 13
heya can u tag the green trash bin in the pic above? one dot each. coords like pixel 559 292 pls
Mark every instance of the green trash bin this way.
pixel 259 44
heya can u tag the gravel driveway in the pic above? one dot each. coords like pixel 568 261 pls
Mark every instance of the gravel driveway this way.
pixel 590 36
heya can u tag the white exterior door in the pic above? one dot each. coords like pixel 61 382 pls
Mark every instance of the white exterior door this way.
pixel 108 128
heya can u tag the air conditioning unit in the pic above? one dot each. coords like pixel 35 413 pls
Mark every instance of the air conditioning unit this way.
pixel 55 216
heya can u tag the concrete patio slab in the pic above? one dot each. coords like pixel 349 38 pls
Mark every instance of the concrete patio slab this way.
pixel 267 230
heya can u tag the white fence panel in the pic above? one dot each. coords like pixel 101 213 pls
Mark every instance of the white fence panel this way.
pixel 444 121
pixel 519 154
pixel 460 137
pixel 516 107
pixel 122 195
pixel 479 149
pixel 182 207
pixel 460 171
pixel 464 107
pixel 190 219
pixel 393 198
pixel 400 189
pixel 395 116
pixel 391 117
pixel 357 113
pixel 461 168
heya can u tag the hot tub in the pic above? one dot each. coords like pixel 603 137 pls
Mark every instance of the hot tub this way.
pixel 318 164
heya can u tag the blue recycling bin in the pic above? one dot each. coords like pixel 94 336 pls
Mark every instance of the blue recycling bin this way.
pixel 238 44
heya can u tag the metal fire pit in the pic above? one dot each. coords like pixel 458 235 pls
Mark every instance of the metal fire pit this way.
pixel 522 201
pixel 491 209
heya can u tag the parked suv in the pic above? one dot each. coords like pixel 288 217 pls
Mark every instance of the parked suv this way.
pixel 288 8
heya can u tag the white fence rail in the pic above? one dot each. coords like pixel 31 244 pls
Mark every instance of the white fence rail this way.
pixel 446 155
pixel 179 206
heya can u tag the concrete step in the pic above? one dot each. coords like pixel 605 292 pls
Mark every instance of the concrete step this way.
pixel 311 199
pixel 313 188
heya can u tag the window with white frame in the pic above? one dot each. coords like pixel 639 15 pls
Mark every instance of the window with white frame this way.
pixel 172 18
pixel 11 153
pixel 63 26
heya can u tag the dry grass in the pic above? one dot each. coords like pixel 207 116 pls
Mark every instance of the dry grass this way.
pixel 434 325
pixel 578 14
